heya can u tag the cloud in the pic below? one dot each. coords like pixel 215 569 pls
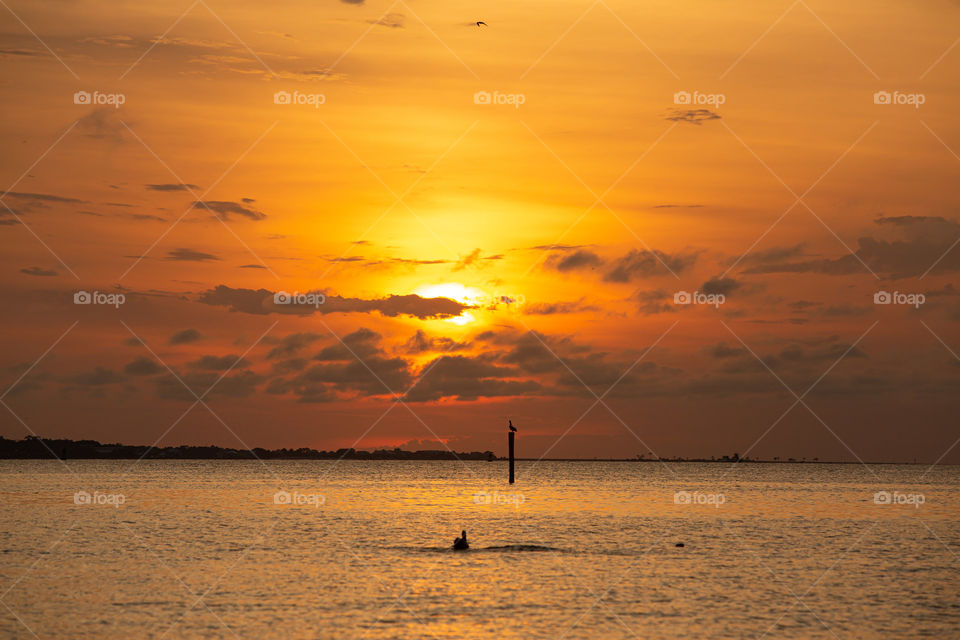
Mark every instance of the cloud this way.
pixel 467 260
pixel 189 255
pixel 722 350
pixel 362 343
pixel 218 363
pixel 98 377
pixel 632 265
pixel 468 378
pixel 654 301
pixel 291 344
pixel 38 271
pixel 20 53
pixel 238 385
pixel 575 260
pixel 142 366
pixel 224 208
pixel 261 302
pixel 420 342
pixel 554 308
pixel 723 286
pixel 691 116
pixel 42 197
pixel 391 20
pixel 179 186
pixel 103 123
pixel 185 336
pixel 644 264
pixel 912 246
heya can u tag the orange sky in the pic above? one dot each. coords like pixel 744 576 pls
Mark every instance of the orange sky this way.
pixel 484 261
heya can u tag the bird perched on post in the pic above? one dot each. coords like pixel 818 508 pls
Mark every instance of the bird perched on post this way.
pixel 512 428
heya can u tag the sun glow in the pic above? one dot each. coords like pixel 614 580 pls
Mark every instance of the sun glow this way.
pixel 458 292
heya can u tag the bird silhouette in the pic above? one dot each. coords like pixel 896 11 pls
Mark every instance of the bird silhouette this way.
pixel 512 428
pixel 482 23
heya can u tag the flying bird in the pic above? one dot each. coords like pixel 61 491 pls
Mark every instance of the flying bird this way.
pixel 482 23
pixel 512 428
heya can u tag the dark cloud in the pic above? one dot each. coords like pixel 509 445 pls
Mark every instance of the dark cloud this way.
pixel 468 378
pixel 362 343
pixel 142 366
pixel 575 260
pixel 42 197
pixel 218 363
pixel 691 116
pixel 190 255
pixel 18 53
pixel 644 264
pixel 721 285
pixel 632 265
pixel 224 208
pixel 185 336
pixel 103 123
pixel 98 377
pixel 237 385
pixel 38 271
pixel 555 308
pixel 914 244
pixel 420 342
pixel 390 20
pixel 722 350
pixel 261 302
pixel 654 301
pixel 178 186
pixel 291 344
pixel 558 247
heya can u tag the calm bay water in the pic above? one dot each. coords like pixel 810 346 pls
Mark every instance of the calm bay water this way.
pixel 209 549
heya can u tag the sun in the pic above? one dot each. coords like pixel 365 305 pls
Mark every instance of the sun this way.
pixel 454 291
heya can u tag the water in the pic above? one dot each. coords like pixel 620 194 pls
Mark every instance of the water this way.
pixel 200 549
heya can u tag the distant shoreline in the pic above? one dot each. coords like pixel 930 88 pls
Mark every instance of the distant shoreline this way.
pixel 33 448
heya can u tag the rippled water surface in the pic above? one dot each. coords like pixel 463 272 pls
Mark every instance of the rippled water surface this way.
pixel 202 549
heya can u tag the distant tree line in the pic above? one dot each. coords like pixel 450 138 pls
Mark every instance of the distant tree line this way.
pixel 52 448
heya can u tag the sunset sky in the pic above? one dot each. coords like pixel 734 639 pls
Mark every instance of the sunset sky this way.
pixel 493 221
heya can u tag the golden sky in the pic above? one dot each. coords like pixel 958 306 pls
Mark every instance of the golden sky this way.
pixel 492 221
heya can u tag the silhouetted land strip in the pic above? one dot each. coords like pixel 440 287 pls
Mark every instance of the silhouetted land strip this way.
pixel 50 448
pixel 32 447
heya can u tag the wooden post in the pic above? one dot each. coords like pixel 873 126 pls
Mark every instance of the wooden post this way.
pixel 510 435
